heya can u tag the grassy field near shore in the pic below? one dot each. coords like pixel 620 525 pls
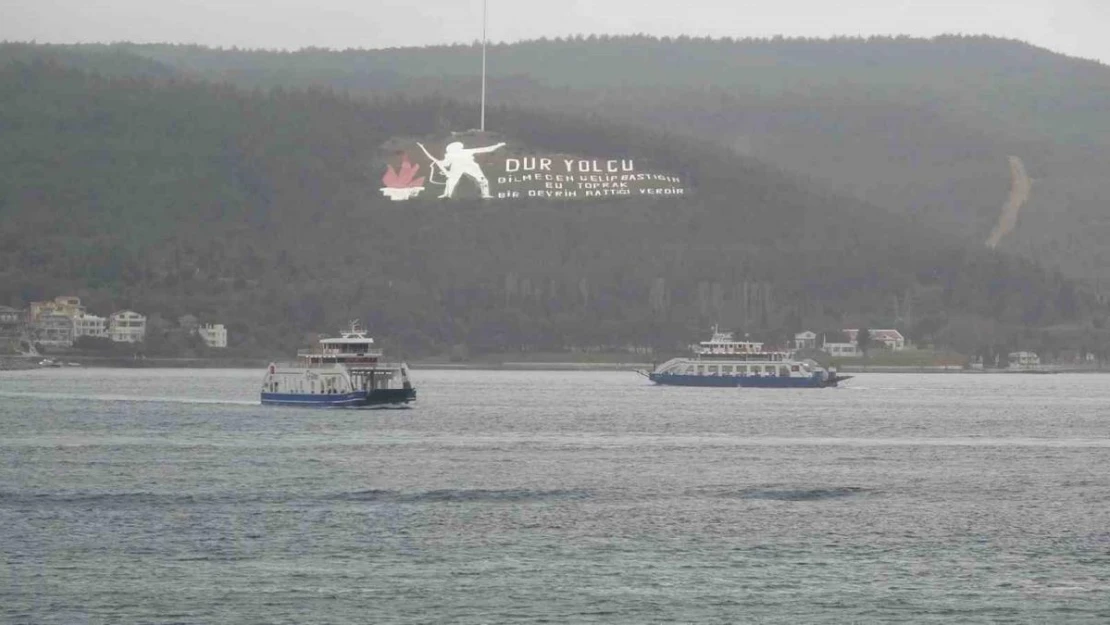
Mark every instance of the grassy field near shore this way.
pixel 909 357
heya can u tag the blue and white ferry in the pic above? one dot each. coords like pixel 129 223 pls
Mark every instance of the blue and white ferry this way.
pixel 346 372
pixel 723 361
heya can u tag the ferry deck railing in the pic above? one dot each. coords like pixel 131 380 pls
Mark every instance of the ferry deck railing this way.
pixel 370 353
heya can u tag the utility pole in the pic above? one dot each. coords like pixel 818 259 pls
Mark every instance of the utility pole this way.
pixel 484 21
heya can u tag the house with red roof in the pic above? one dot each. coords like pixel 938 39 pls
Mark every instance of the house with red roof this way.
pixel 890 339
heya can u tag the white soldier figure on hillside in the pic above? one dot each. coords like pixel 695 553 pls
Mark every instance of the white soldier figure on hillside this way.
pixel 458 161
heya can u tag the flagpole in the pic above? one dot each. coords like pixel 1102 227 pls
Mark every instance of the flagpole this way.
pixel 484 5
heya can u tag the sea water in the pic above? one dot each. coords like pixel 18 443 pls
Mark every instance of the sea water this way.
pixel 140 496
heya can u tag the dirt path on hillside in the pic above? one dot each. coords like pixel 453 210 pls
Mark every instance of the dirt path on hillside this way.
pixel 1019 195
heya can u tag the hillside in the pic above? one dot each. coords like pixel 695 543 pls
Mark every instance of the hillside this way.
pixel 923 127
pixel 264 210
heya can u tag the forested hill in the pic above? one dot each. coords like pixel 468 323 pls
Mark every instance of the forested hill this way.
pixel 114 60
pixel 925 127
pixel 1026 92
pixel 263 210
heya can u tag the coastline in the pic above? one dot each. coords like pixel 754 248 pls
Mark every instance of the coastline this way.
pixel 532 366
pixel 23 363
pixel 18 363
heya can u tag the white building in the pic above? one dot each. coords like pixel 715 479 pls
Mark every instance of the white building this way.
pixel 126 326
pixel 90 325
pixel 890 339
pixel 805 340
pixel 54 330
pixel 11 321
pixel 841 350
pixel 213 335
pixel 1024 361
pixel 9 315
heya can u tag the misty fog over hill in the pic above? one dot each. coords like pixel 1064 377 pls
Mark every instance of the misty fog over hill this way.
pixel 246 185
pixel 924 127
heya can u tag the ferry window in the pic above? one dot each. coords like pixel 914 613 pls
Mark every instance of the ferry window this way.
pixel 794 367
pixel 712 369
pixel 784 372
pixel 769 369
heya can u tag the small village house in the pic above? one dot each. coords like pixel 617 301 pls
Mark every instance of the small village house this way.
pixel 841 350
pixel 809 340
pixel 805 340
pixel 889 339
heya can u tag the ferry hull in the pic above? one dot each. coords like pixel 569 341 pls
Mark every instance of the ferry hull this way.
pixel 726 381
pixel 357 399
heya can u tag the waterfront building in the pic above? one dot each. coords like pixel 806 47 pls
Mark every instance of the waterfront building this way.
pixel 126 326
pixel 10 316
pixel 11 321
pixel 1024 361
pixel 90 325
pixel 805 340
pixel 890 339
pixel 54 330
pixel 66 305
pixel 841 350
pixel 213 335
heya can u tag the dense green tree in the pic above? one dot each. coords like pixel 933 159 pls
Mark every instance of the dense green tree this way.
pixel 863 340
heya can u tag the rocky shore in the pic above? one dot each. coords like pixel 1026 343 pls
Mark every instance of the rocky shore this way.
pixel 17 363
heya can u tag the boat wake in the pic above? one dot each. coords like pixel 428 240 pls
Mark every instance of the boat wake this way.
pixel 130 398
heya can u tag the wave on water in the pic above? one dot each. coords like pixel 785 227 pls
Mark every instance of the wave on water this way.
pixel 462 495
pixel 788 494
pixel 132 398
pixel 132 498
pixel 124 499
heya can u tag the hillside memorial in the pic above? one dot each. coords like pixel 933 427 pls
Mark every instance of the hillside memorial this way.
pixel 494 171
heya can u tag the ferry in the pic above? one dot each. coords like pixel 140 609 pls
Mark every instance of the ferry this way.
pixel 343 372
pixel 725 362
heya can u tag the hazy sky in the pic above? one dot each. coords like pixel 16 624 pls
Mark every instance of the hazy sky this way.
pixel 1075 27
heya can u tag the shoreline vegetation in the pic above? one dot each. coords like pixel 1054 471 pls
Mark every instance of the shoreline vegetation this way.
pixel 509 362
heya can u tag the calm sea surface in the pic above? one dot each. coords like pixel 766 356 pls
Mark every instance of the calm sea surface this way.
pixel 140 496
